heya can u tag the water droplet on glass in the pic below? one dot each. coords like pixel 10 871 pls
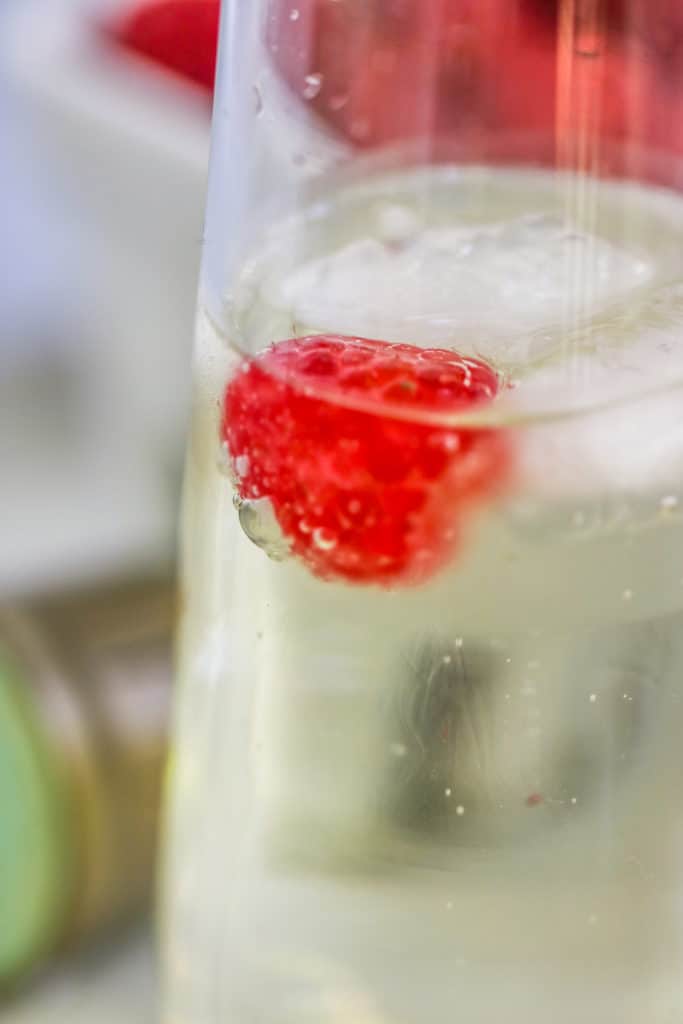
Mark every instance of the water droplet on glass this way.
pixel 460 810
pixel 398 749
pixel 324 539
pixel 573 800
pixel 338 101
pixel 447 659
pixel 447 792
pixel 459 641
pixel 312 85
pixel 589 43
pixel 258 521
pixel 257 100
pixel 593 698
pixel 294 14
pixel 360 128
pixel 627 595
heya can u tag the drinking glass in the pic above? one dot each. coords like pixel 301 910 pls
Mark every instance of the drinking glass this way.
pixel 427 759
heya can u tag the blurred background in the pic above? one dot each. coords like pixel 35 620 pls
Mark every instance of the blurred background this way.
pixel 105 112
pixel 105 108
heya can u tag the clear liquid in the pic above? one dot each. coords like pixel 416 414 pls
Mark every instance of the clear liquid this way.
pixel 458 801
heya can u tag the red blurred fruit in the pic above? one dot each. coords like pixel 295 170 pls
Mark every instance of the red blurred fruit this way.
pixel 181 35
pixel 395 69
pixel 472 74
pixel 457 70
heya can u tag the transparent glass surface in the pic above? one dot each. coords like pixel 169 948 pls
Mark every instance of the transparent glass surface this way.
pixel 427 755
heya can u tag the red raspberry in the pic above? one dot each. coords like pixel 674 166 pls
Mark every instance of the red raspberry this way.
pixel 179 34
pixel 336 432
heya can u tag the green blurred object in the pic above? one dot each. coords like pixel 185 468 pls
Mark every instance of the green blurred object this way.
pixel 85 682
pixel 35 853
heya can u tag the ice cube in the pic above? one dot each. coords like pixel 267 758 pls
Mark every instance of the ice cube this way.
pixel 491 290
pixel 631 448
pixel 619 398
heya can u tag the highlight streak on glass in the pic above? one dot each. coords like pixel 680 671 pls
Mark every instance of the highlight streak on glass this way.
pixel 581 66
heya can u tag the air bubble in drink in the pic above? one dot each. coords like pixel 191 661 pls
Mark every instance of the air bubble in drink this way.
pixel 258 521
pixel 313 85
